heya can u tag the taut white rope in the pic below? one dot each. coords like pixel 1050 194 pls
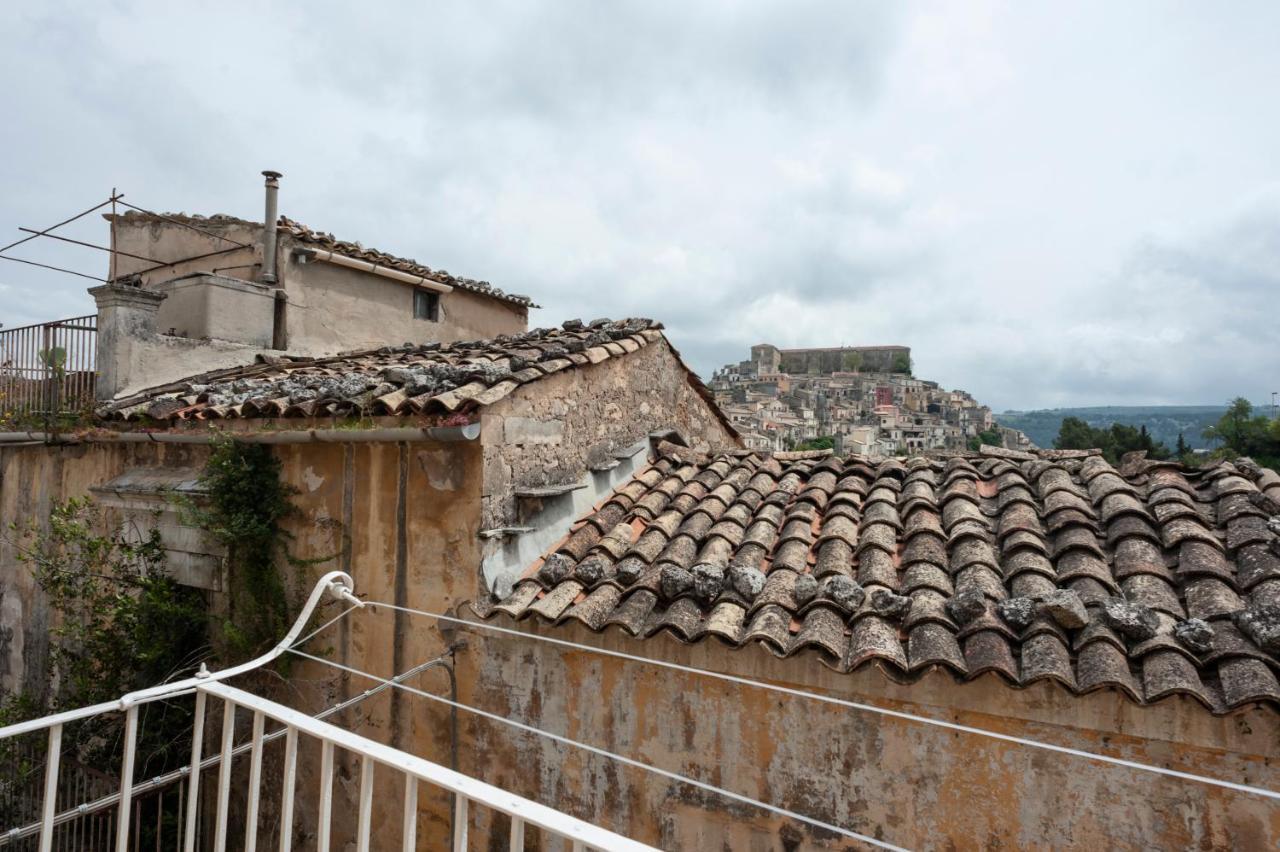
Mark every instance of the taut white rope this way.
pixel 852 705
pixel 673 776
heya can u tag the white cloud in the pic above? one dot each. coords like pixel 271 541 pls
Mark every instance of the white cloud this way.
pixel 1049 208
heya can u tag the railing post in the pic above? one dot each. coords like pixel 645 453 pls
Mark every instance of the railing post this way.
pixel 50 788
pixel 290 783
pixel 126 778
pixel 460 823
pixel 193 782
pixel 224 774
pixel 326 795
pixel 517 834
pixel 410 831
pixel 366 804
pixel 255 784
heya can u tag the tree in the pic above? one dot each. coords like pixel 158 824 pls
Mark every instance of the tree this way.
pixel 1232 428
pixel 1241 433
pixel 1183 449
pixel 1075 434
pixel 822 442
pixel 1114 442
pixel 902 363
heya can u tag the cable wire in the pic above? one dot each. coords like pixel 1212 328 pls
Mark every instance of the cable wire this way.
pixel 852 705
pixel 672 776
pixel 324 626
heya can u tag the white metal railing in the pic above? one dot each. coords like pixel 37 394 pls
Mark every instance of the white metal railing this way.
pixel 293 726
pixel 373 755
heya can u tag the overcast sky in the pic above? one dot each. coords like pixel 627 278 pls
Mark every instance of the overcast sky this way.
pixel 1052 204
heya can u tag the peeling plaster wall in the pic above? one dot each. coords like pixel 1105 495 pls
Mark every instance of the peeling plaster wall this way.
pixel 904 782
pixel 554 430
pixel 32 479
pixel 402 519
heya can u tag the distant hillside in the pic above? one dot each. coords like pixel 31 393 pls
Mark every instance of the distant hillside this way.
pixel 1163 422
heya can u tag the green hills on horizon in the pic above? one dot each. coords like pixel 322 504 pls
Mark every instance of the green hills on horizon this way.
pixel 1163 422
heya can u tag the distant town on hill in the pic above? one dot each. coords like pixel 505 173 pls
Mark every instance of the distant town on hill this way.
pixel 855 400
pixel 1164 422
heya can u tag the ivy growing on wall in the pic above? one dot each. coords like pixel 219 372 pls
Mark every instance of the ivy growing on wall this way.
pixel 244 505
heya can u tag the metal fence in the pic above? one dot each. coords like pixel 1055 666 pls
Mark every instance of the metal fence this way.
pixel 48 369
pixel 183 816
pixel 22 786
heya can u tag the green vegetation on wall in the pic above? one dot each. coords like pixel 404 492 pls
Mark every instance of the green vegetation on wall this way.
pixel 242 508
pixel 122 623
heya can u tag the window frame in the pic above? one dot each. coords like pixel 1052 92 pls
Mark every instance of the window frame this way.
pixel 426 305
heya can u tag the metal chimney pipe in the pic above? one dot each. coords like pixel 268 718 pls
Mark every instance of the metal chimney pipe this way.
pixel 269 228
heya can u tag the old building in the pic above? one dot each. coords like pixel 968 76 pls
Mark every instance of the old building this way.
pixel 428 472
pixel 864 399
pixel 216 291
pixel 1052 597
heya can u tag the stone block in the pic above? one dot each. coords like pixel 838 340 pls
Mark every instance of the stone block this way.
pixel 528 430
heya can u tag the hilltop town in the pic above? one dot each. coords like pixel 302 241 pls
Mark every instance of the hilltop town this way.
pixel 863 400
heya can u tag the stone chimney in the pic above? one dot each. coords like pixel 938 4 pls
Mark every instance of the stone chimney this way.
pixel 126 316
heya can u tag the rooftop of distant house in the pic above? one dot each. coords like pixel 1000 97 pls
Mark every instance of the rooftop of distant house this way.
pixel 430 379
pixel 328 242
pixel 1150 579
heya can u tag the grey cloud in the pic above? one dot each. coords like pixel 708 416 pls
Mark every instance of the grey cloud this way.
pixel 595 60
pixel 809 173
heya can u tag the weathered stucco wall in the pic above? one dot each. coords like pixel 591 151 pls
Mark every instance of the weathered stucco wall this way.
pixel 332 309
pixel 400 518
pixel 32 479
pixel 167 241
pixel 554 430
pixel 907 783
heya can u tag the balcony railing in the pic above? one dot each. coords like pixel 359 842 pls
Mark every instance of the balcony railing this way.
pixel 43 820
pixel 47 370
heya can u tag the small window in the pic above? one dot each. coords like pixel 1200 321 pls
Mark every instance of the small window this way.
pixel 426 305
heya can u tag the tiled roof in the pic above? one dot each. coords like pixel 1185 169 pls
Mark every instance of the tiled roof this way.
pixel 435 378
pixel 1151 580
pixel 329 242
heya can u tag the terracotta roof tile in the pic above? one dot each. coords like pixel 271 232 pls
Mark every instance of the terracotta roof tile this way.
pixel 955 537
pixel 434 378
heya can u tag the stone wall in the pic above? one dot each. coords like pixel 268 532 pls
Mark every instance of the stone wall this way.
pixel 553 431
pixel 900 781
pixel 866 359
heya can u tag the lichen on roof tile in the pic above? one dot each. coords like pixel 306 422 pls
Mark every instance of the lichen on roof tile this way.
pixel 1079 579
